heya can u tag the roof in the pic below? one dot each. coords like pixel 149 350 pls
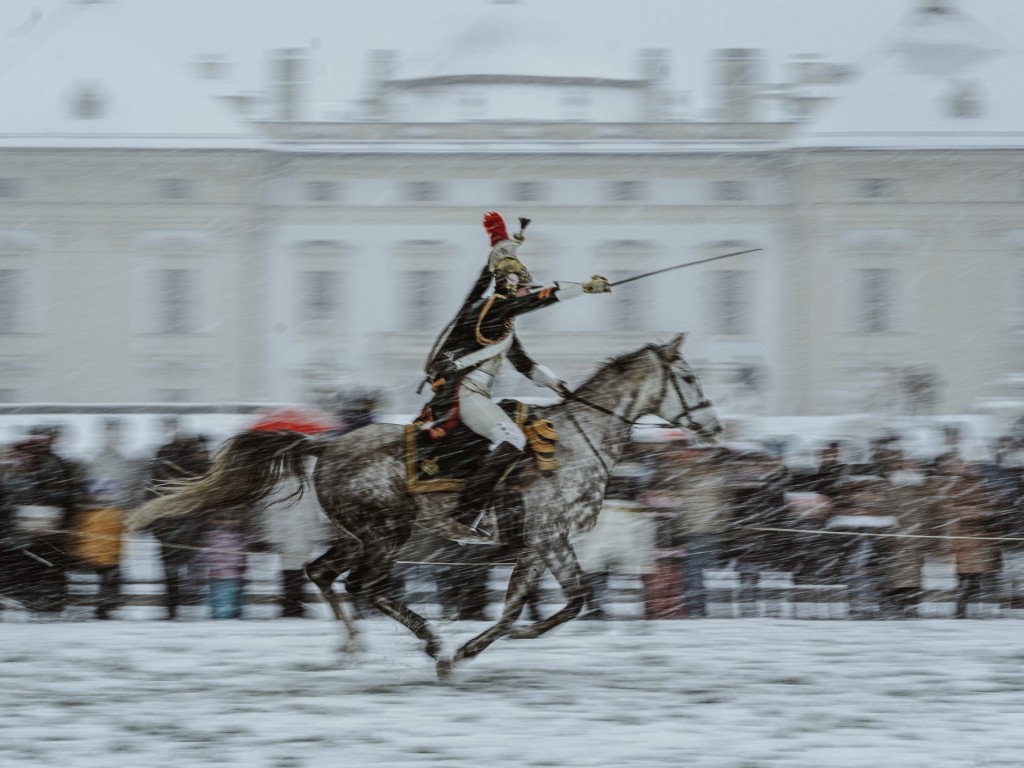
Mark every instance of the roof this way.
pixel 157 41
pixel 944 81
pixel 89 75
pixel 524 39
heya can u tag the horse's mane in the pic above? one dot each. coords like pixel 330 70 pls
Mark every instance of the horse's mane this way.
pixel 617 364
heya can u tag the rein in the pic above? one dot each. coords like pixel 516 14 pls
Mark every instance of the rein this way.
pixel 586 437
pixel 685 413
pixel 596 407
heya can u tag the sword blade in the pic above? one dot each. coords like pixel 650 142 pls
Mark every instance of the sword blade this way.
pixel 687 264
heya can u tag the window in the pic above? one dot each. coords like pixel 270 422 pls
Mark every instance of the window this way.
pixel 875 300
pixel 729 191
pixel 575 104
pixel 175 301
pixel 627 191
pixel 876 189
pixel 629 310
pixel 731 294
pixel 212 66
pixel 174 189
pixel 10 300
pixel 526 191
pixel 422 191
pixel 422 288
pixel 965 99
pixel 10 396
pixel 319 294
pixel 321 191
pixel 87 102
pixel 10 188
pixel 472 103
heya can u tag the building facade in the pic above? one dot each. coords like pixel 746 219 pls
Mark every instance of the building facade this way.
pixel 168 245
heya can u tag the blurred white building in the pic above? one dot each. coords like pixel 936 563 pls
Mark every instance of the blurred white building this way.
pixel 214 223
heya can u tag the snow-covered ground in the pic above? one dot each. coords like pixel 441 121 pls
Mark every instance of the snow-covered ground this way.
pixel 737 693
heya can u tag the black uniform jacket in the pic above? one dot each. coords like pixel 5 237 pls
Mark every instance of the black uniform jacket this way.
pixel 488 321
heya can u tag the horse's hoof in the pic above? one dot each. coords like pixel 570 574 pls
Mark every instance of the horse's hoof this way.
pixel 444 668
pixel 352 647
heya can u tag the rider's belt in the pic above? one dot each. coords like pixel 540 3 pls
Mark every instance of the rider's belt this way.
pixel 484 353
pixel 541 436
pixel 482 379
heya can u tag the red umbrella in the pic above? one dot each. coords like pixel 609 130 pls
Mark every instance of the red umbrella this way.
pixel 307 421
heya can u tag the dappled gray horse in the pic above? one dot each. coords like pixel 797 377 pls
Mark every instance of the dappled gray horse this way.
pixel 360 480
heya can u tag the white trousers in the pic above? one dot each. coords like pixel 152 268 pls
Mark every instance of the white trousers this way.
pixel 482 415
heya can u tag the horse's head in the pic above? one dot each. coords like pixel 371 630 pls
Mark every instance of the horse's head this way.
pixel 682 401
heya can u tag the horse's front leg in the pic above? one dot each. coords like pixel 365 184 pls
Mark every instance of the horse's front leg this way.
pixel 560 559
pixel 525 575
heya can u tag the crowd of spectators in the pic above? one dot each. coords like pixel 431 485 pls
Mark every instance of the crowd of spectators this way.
pixel 868 525
pixel 674 515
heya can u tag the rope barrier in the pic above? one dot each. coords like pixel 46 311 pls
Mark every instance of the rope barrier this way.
pixel 882 535
pixel 766 529
pixel 215 550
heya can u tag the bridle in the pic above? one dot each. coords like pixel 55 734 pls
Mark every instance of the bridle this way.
pixel 683 420
pixel 686 411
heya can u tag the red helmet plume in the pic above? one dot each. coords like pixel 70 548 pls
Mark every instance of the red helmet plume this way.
pixel 495 227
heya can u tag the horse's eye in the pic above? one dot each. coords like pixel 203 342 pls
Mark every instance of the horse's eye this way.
pixel 687 378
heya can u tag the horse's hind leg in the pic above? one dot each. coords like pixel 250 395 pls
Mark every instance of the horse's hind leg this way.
pixel 525 576
pixel 416 624
pixel 370 581
pixel 323 572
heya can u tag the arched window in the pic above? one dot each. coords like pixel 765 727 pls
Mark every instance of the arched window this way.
pixel 875 280
pixel 729 290
pixel 321 287
pixel 178 277
pixel 631 307
pixel 423 267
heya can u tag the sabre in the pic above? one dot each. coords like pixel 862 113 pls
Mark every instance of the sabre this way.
pixel 687 264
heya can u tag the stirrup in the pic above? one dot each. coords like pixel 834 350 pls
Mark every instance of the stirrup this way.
pixel 488 535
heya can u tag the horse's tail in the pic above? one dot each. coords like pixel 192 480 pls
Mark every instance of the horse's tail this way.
pixel 246 470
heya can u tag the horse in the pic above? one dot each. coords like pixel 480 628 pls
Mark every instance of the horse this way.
pixel 361 483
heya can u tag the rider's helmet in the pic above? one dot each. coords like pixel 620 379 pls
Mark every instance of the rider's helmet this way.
pixel 509 272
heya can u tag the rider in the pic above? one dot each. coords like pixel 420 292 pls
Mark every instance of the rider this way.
pixel 482 335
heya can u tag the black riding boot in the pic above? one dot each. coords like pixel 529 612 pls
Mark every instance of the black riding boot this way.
pixel 478 492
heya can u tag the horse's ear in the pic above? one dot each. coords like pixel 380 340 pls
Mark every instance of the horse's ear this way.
pixel 671 349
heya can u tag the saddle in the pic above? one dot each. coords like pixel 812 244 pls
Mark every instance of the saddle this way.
pixel 441 455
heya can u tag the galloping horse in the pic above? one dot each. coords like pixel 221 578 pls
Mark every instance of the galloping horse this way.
pixel 360 480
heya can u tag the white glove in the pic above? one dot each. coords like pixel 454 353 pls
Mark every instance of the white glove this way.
pixel 597 284
pixel 543 376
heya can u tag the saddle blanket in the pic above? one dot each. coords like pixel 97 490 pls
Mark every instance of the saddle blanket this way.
pixel 441 465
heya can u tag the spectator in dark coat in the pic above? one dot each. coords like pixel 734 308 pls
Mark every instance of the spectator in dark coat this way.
pixel 41 479
pixel 759 488
pixel 831 471
pixel 181 456
pixel 970 507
